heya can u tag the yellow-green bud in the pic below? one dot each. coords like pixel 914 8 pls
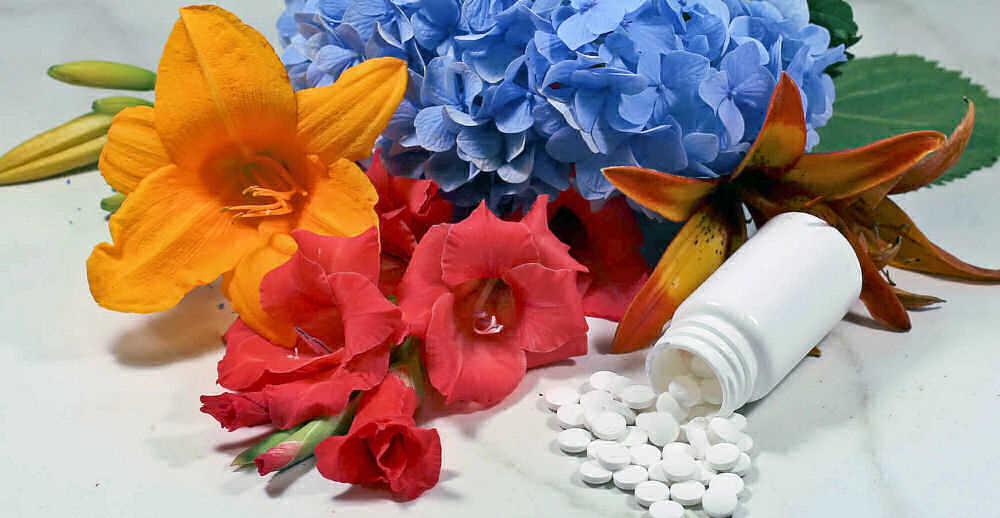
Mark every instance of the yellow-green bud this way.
pixel 115 104
pixel 104 74
pixel 113 202
pixel 73 133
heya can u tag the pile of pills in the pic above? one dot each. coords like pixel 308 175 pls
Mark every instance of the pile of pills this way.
pixel 664 448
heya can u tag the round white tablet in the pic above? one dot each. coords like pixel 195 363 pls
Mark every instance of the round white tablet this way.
pixel 745 443
pixel 556 397
pixel 730 482
pixel 619 384
pixel 638 396
pixel 570 416
pixel 602 380
pixel 650 491
pixel 719 503
pixel 596 445
pixel 661 427
pixel 739 421
pixel 621 408
pixel 656 472
pixel 700 367
pixel 698 439
pixel 668 509
pixel 721 429
pixel 743 465
pixel 614 457
pixel 705 472
pixel 593 473
pixel 685 390
pixel 679 467
pixel 678 447
pixel 722 456
pixel 634 436
pixel 626 479
pixel 687 493
pixel 666 403
pixel 711 391
pixel 644 455
pixel 608 426
pixel 574 440
pixel 595 400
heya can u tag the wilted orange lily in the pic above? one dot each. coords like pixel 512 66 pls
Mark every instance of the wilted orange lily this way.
pixel 230 161
pixel 846 188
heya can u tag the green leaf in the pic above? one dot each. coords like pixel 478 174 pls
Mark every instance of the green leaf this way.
pixel 838 18
pixel 887 95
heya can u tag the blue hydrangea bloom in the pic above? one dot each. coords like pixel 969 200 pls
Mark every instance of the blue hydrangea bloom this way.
pixel 513 98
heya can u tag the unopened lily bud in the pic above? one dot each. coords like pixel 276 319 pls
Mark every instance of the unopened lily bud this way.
pixel 113 202
pixel 104 74
pixel 56 163
pixel 73 133
pixel 113 105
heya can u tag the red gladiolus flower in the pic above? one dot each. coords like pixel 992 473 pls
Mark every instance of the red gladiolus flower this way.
pixel 384 448
pixel 235 411
pixel 406 209
pixel 607 242
pixel 328 292
pixel 492 298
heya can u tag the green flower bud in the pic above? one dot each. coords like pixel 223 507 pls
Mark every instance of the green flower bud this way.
pixel 57 163
pixel 73 133
pixel 115 104
pixel 104 74
pixel 113 202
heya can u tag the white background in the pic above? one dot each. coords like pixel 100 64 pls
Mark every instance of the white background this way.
pixel 99 414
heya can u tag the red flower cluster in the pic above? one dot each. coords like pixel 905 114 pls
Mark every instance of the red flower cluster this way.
pixel 487 298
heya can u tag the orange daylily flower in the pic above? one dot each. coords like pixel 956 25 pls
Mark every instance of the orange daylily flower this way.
pixel 847 189
pixel 230 161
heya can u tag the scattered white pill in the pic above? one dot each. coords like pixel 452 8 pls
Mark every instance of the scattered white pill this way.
pixel 679 467
pixel 593 473
pixel 743 465
pixel 608 426
pixel 638 396
pixel 739 421
pixel 711 391
pixel 614 457
pixel 634 436
pixel 745 443
pixel 661 427
pixel 602 380
pixel 668 509
pixel 626 479
pixel 705 472
pixel 650 491
pixel 721 429
pixel 644 455
pixel 698 439
pixel 700 367
pixel 595 445
pixel 678 447
pixel 556 397
pixel 656 473
pixel 718 503
pixel 570 416
pixel 685 390
pixel 619 385
pixel 666 403
pixel 730 482
pixel 687 493
pixel 722 456
pixel 595 400
pixel 574 440
pixel 622 409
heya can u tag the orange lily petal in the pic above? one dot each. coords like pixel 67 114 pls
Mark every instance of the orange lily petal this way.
pixel 242 287
pixel 932 167
pixel 341 201
pixel 782 139
pixel 697 251
pixel 343 120
pixel 918 253
pixel 673 197
pixel 133 150
pixel 169 236
pixel 842 174
pixel 221 88
pixel 915 300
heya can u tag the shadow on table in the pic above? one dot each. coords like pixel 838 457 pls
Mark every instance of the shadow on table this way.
pixel 362 494
pixel 192 328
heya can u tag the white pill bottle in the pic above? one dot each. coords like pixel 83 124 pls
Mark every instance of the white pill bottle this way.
pixel 762 311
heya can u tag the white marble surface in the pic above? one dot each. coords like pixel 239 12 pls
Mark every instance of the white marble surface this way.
pixel 100 410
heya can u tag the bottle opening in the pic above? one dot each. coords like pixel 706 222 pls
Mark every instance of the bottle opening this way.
pixel 688 378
